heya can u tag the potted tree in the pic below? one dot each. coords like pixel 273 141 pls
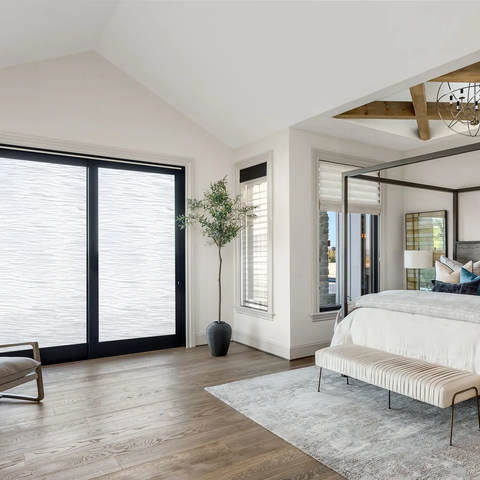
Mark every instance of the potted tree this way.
pixel 221 219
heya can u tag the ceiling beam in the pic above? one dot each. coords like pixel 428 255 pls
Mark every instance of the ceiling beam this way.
pixel 465 74
pixel 390 111
pixel 420 108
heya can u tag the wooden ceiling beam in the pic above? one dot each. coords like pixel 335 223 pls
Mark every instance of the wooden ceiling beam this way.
pixel 419 100
pixel 390 111
pixel 470 74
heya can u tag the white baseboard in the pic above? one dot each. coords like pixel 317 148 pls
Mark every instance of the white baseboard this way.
pixel 273 348
pixel 302 351
pixel 262 344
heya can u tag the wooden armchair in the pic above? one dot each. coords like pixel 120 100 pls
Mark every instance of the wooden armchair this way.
pixel 16 371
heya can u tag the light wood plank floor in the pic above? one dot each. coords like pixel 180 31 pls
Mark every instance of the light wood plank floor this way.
pixel 148 416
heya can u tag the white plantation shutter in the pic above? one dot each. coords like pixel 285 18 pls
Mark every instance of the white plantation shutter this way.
pixel 363 197
pixel 254 245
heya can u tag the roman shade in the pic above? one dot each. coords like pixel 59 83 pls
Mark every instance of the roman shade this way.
pixel 363 197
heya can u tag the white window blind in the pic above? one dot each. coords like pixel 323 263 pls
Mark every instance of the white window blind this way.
pixel 363 197
pixel 254 247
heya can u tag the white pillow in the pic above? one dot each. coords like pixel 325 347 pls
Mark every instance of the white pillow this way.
pixel 454 265
pixel 445 274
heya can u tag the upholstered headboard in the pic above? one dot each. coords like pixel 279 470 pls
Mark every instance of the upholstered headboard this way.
pixel 466 251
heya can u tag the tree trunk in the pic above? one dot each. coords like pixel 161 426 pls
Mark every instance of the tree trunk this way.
pixel 220 285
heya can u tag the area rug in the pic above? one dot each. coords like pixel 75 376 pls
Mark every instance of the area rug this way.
pixel 350 429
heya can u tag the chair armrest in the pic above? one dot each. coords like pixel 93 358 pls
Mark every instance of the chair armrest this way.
pixel 34 345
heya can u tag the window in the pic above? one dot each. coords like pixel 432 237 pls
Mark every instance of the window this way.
pixel 254 254
pixel 362 257
pixel 254 242
pixel 363 235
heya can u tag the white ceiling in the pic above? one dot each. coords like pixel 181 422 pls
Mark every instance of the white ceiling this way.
pixel 244 70
pixel 32 30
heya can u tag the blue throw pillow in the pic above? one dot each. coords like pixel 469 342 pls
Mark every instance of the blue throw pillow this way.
pixel 466 276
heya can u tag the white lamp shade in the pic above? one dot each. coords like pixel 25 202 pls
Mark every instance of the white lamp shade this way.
pixel 418 259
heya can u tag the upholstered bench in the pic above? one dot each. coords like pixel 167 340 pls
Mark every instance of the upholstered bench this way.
pixel 434 384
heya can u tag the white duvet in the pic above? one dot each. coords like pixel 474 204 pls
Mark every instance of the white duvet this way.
pixel 446 331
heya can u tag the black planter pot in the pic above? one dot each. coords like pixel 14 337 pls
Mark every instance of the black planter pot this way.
pixel 218 338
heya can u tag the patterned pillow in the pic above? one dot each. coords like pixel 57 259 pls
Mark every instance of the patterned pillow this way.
pixel 447 275
pixel 454 265
pixel 467 288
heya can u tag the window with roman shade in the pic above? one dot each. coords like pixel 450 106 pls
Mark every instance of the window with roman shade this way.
pixel 363 197
pixel 362 235
pixel 254 239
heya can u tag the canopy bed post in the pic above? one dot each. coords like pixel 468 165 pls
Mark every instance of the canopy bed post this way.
pixel 345 246
pixel 455 224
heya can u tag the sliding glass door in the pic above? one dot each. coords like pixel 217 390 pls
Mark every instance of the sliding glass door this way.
pixel 43 233
pixel 92 261
pixel 140 279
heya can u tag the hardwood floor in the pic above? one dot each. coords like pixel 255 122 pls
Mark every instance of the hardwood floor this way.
pixel 148 416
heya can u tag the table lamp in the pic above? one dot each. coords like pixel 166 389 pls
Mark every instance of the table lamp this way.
pixel 418 259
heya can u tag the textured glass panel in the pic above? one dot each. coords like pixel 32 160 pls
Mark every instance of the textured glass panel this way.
pixel 42 253
pixel 136 254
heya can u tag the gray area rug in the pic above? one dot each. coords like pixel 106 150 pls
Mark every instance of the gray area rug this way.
pixel 350 429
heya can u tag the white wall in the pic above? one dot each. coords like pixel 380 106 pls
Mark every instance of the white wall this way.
pixel 293 333
pixel 83 98
pixel 305 334
pixel 392 233
pixel 272 336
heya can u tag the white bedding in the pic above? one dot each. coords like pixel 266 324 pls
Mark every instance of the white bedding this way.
pixel 444 340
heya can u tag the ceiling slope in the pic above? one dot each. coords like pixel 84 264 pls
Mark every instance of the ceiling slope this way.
pixel 244 70
pixel 33 30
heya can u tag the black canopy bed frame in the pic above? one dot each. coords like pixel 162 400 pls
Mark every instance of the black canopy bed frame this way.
pixel 463 251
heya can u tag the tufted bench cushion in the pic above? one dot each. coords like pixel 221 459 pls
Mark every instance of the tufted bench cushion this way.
pixel 429 383
pixel 13 368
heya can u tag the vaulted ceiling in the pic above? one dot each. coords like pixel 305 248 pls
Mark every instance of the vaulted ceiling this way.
pixel 244 70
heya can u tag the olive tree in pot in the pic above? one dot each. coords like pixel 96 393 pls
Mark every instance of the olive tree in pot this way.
pixel 221 219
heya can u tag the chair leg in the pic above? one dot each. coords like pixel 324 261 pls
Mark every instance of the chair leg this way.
pixel 347 380
pixel 389 404
pixel 319 379
pixel 40 392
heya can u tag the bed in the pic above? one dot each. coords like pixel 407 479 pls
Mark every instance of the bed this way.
pixel 440 328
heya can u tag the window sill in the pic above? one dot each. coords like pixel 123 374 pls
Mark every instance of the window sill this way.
pixel 252 312
pixel 324 316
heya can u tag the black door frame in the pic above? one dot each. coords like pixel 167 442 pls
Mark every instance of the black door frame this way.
pixel 92 348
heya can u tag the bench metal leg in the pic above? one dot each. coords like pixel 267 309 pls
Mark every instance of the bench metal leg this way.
pixel 478 412
pixel 389 405
pixel 347 380
pixel 453 409
pixel 319 379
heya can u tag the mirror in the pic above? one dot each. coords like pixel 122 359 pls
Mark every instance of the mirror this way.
pixel 425 231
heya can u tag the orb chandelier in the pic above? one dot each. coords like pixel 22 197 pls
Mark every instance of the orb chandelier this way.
pixel 458 107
